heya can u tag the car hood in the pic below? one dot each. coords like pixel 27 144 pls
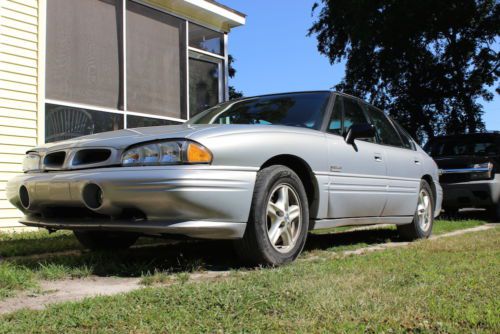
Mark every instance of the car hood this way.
pixel 124 138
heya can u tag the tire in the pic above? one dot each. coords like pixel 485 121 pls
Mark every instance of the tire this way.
pixel 494 213
pixel 450 212
pixel 268 220
pixel 421 226
pixel 103 240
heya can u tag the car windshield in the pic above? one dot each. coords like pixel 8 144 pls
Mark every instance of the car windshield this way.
pixel 467 145
pixel 301 109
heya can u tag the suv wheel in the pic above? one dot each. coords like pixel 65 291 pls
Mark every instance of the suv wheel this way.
pixel 450 212
pixel 421 226
pixel 494 212
pixel 103 240
pixel 279 219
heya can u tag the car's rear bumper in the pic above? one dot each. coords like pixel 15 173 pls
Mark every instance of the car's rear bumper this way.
pixel 478 194
pixel 198 201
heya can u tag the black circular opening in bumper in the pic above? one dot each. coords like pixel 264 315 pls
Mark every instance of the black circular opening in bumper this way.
pixel 24 197
pixel 92 196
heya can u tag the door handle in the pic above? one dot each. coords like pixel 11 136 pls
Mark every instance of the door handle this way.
pixel 378 157
pixel 416 161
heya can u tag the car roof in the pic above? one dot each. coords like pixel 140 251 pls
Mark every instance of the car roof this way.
pixel 300 92
pixel 280 93
pixel 493 134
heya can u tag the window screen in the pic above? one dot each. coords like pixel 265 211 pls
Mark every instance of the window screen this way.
pixel 82 52
pixel 203 85
pixel 155 62
pixel 206 39
pixel 386 133
pixel 64 122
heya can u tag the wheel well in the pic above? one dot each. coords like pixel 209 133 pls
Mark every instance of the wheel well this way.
pixel 304 172
pixel 429 180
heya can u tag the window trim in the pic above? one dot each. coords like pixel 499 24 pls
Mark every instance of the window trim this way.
pixel 222 60
pixel 329 113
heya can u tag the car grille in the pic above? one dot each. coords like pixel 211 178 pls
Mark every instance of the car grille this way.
pixel 454 178
pixel 54 160
pixel 90 156
pixel 79 158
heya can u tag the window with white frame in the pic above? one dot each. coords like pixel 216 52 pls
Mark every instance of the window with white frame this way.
pixel 114 64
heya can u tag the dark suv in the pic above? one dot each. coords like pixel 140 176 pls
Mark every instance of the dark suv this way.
pixel 470 171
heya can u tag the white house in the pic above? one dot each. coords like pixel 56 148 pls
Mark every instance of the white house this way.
pixel 74 67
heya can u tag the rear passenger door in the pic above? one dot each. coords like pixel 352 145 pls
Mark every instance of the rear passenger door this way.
pixel 403 165
pixel 357 178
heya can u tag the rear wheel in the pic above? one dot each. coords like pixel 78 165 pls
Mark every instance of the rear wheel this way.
pixel 103 240
pixel 279 219
pixel 421 226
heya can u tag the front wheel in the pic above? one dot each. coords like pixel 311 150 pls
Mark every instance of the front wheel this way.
pixel 421 226
pixel 279 219
pixel 494 213
pixel 103 240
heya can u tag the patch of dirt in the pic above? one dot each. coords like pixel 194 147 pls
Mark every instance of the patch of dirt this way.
pixel 78 289
pixel 68 290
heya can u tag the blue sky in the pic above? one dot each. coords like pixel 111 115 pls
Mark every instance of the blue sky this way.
pixel 274 54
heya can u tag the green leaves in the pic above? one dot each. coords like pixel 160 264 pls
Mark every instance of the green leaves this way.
pixel 427 63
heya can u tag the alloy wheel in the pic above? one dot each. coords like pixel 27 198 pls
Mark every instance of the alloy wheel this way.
pixel 424 210
pixel 284 218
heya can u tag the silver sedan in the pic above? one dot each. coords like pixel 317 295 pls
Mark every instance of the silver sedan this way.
pixel 262 171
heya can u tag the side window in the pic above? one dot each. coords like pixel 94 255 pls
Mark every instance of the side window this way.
pixel 353 114
pixel 405 137
pixel 335 124
pixel 386 133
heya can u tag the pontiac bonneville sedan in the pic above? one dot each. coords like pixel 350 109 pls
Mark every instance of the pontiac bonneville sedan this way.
pixel 261 170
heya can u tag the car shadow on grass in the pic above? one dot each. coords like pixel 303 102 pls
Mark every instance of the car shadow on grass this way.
pixel 182 257
pixel 159 256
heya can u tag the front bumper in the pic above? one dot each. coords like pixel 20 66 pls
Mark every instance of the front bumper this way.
pixel 478 194
pixel 439 199
pixel 197 201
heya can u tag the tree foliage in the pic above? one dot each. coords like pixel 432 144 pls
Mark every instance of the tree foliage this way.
pixel 426 62
pixel 233 93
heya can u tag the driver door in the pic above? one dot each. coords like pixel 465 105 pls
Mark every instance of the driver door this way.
pixel 357 178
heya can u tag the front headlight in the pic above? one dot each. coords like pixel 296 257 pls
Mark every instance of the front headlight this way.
pixel 167 153
pixel 484 165
pixel 31 162
pixel 482 171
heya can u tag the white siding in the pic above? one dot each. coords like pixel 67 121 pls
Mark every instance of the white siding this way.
pixel 19 92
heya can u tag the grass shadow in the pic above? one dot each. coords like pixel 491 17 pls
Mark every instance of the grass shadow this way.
pixel 343 240
pixel 180 257
pixel 190 256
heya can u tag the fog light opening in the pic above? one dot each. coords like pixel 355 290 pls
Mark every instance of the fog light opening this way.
pixel 24 197
pixel 93 196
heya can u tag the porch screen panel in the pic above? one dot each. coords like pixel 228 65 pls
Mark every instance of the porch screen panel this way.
pixel 206 39
pixel 156 62
pixel 203 85
pixel 82 52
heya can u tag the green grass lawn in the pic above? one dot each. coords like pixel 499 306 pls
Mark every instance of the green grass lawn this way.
pixel 154 264
pixel 443 286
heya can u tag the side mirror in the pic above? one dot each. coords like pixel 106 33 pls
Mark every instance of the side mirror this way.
pixel 359 130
